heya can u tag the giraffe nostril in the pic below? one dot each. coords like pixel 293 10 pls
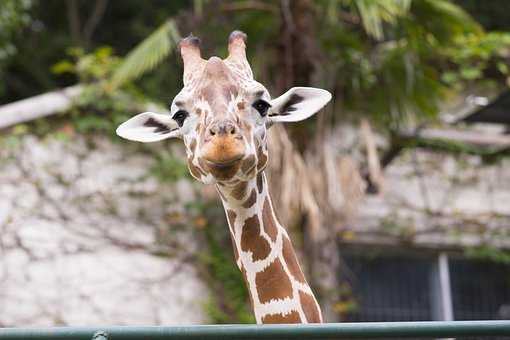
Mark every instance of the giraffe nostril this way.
pixel 213 130
pixel 222 128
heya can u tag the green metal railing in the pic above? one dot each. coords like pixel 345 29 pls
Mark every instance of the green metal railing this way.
pixel 433 329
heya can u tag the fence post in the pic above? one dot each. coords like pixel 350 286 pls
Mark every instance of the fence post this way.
pixel 100 335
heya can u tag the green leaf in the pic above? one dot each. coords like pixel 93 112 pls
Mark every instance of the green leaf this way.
pixel 64 66
pixel 450 77
pixel 502 67
pixel 470 73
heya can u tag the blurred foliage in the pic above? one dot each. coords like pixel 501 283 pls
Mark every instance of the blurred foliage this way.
pixel 102 107
pixel 99 108
pixel 390 60
pixel 347 303
pixel 402 74
pixel 479 53
pixel 228 301
pixel 489 253
pixel 169 168
pixel 403 55
pixel 45 39
pixel 88 68
pixel 374 13
pixel 148 54
pixel 14 16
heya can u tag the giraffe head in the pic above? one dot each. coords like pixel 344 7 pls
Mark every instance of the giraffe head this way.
pixel 222 114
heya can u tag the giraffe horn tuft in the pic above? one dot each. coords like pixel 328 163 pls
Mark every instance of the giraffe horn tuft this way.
pixel 237 35
pixel 237 45
pixel 190 53
pixel 237 51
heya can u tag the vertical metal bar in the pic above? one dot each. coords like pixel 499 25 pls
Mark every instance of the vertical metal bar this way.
pixel 441 297
pixel 435 292
pixel 446 292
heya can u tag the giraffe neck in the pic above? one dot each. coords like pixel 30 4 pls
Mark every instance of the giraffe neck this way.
pixel 263 251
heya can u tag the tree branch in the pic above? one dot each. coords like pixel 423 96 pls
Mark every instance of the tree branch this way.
pixel 94 19
pixel 73 16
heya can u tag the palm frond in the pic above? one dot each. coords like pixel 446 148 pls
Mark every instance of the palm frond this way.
pixel 374 13
pixel 147 55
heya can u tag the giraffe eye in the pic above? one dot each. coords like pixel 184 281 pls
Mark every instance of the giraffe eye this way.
pixel 180 116
pixel 261 106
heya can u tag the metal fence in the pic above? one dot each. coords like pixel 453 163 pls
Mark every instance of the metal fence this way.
pixel 392 330
pixel 414 286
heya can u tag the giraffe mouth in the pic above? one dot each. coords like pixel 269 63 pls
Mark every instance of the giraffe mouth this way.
pixel 223 164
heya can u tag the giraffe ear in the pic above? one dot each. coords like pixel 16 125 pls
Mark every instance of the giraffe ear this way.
pixel 297 104
pixel 149 127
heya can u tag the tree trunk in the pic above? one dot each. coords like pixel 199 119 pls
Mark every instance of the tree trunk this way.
pixel 39 106
pixel 297 64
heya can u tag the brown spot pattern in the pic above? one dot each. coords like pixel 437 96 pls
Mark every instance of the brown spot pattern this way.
pixel 239 190
pixel 251 199
pixel 220 173
pixel 230 90
pixel 224 174
pixel 262 159
pixel 193 145
pixel 248 164
pixel 252 241
pixel 219 92
pixel 291 260
pixel 202 164
pixel 273 283
pixel 240 106
pixel 312 312
pixel 195 171
pixel 292 317
pixel 269 223
pixel 260 182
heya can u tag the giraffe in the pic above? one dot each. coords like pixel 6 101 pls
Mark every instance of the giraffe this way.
pixel 222 114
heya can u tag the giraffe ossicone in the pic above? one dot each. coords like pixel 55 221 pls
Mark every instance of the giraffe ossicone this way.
pixel 222 115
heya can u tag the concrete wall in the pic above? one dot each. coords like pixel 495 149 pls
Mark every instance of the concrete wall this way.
pixel 79 225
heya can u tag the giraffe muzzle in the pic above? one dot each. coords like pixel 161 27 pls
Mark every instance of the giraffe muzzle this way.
pixel 222 158
pixel 222 164
pixel 223 145
pixel 222 169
